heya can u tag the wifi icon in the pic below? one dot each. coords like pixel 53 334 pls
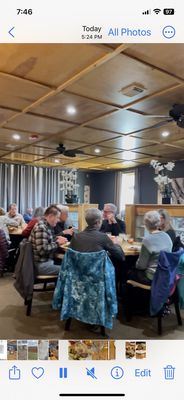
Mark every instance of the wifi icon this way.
pixel 157 10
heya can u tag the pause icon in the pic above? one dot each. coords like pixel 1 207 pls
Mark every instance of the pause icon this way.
pixel 146 12
pixel 63 373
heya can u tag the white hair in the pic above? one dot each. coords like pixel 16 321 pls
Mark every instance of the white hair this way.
pixel 63 209
pixel 152 220
pixel 112 207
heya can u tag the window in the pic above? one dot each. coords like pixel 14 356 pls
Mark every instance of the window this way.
pixel 127 189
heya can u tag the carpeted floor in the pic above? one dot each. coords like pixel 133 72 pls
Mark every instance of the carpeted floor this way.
pixel 44 322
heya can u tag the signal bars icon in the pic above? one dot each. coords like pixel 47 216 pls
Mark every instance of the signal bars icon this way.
pixel 147 12
pixel 156 11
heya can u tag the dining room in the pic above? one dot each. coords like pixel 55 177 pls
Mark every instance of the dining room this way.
pixel 89 126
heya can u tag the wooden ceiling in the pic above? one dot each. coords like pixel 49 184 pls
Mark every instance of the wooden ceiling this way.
pixel 40 81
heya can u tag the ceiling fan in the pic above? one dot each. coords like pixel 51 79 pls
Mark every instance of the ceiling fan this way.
pixel 175 114
pixel 68 153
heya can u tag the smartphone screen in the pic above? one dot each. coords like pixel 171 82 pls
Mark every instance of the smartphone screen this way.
pixel 91 118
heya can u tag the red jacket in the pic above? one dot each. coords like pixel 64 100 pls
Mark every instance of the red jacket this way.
pixel 27 231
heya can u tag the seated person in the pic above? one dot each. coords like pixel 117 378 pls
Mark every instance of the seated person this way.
pixel 44 242
pixel 14 215
pixel 2 212
pixel 165 224
pixel 152 244
pixel 5 222
pixel 3 251
pixel 28 215
pixel 38 214
pixel 62 227
pixel 92 240
pixel 111 224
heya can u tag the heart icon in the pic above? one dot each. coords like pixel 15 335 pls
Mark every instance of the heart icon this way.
pixel 37 372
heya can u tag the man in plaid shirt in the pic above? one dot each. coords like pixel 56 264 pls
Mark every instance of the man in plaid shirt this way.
pixel 45 243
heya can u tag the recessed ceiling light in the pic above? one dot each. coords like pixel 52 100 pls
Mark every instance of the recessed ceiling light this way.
pixel 56 160
pixel 16 136
pixel 71 110
pixel 165 134
pixel 97 150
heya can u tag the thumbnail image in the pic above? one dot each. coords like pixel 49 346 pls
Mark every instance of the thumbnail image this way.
pixel 135 350
pixel 3 349
pixel 53 350
pixel 43 350
pixel 140 350
pixel 22 349
pixel 91 350
pixel 32 349
pixel 129 349
pixel 12 350
pixel 29 350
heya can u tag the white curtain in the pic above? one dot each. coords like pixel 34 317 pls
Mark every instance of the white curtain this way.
pixel 177 190
pixel 27 186
pixel 118 190
pixel 137 186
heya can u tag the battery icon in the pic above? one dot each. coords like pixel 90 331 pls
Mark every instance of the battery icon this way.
pixel 168 11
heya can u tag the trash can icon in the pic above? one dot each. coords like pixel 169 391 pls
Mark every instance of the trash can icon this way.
pixel 169 372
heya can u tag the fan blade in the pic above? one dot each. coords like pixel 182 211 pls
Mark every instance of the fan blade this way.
pixel 158 125
pixel 79 151
pixel 72 152
pixel 161 123
pixel 156 116
pixel 69 153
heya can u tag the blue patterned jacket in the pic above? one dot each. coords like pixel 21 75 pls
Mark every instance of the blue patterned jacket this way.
pixel 86 288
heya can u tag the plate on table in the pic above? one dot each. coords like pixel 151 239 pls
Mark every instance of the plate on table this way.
pixel 138 248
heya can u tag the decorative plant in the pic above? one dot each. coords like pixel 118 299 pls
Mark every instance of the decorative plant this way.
pixel 69 183
pixel 162 178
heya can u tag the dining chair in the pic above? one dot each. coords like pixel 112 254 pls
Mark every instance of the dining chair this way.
pixel 27 279
pixel 162 292
pixel 86 289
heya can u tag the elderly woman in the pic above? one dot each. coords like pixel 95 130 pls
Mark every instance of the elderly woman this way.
pixel 165 224
pixel 152 244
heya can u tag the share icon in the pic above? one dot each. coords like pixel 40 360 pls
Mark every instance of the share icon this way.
pixel 91 373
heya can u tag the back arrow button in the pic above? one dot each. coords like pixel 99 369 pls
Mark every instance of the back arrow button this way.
pixel 10 32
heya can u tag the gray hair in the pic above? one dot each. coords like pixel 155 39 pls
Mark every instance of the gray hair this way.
pixel 112 207
pixel 92 216
pixel 152 220
pixel 63 209
pixel 39 212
